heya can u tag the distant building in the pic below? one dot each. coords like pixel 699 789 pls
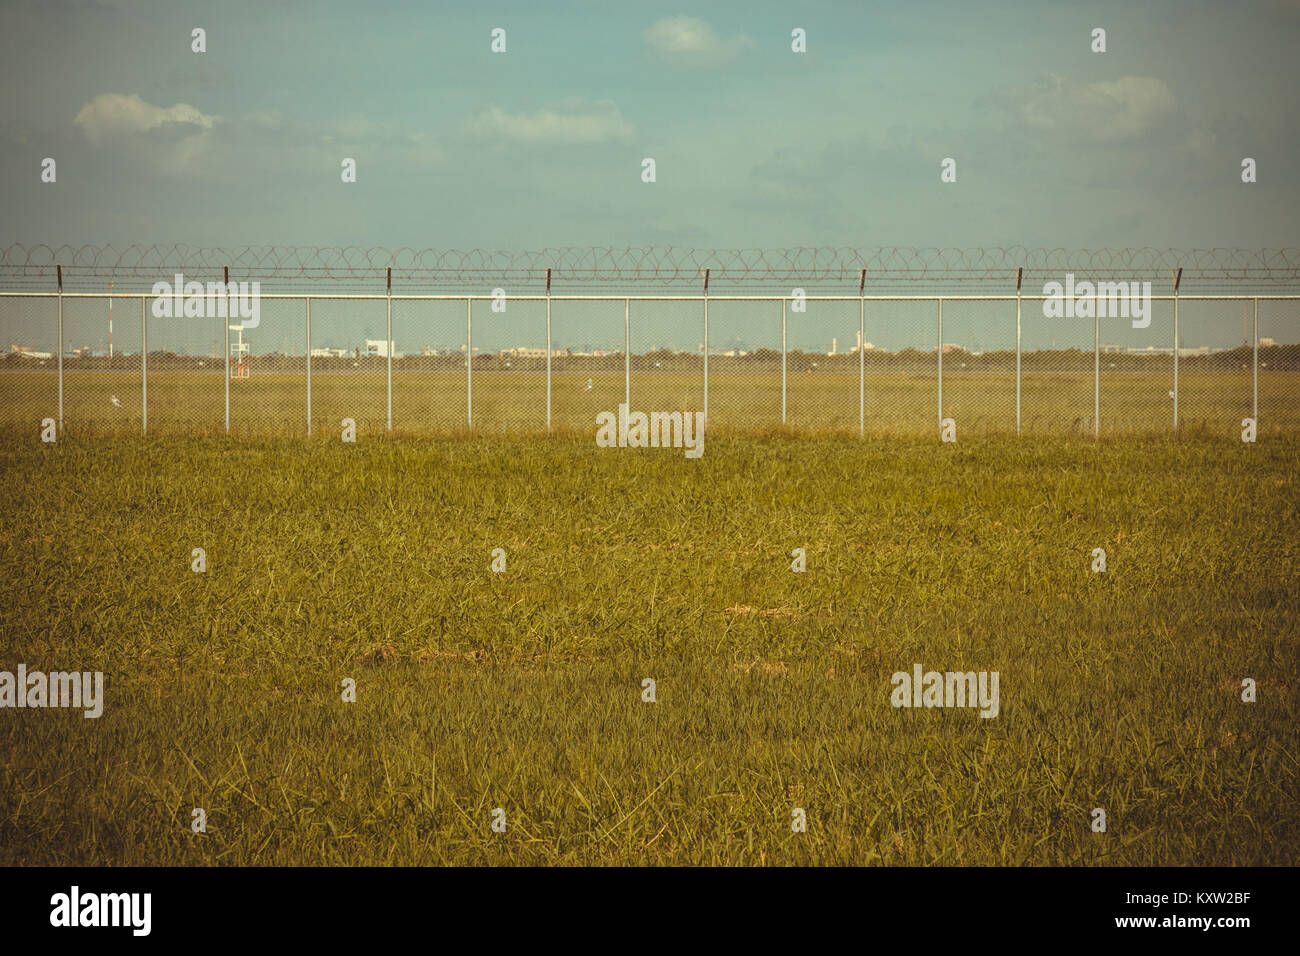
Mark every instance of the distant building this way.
pixel 377 348
pixel 27 352
pixel 330 353
pixel 1184 352
pixel 1266 342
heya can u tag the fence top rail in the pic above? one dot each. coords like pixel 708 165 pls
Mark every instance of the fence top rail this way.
pixel 486 297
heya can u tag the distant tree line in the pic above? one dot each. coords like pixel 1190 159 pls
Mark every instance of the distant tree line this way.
pixel 1274 357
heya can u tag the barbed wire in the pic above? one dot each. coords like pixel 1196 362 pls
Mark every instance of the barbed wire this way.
pixel 356 268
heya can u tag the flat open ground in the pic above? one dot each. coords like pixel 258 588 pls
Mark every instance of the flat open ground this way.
pixel 897 404
pixel 522 690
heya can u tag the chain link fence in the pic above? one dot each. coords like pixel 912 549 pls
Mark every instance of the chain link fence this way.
pixel 491 343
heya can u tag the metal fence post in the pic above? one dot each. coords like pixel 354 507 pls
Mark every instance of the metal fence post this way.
pixel 229 375
pixel 59 271
pixel 389 285
pixel 548 351
pixel 706 345
pixel 940 353
pixel 862 354
pixel 1096 369
pixel 627 353
pixel 469 362
pixel 144 366
pixel 1254 401
pixel 226 323
pixel 783 302
pixel 1020 275
pixel 1178 275
pixel 308 298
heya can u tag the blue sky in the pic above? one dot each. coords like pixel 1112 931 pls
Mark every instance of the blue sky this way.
pixel 755 146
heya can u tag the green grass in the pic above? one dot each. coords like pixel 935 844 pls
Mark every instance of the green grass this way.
pixel 898 404
pixel 522 690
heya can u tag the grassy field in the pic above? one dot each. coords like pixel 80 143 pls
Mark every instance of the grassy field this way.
pixel 898 404
pixel 523 689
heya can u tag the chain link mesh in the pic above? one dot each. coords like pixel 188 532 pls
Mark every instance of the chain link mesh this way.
pixel 873 364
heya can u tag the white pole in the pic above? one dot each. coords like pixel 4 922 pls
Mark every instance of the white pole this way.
pixel 1175 366
pixel 783 361
pixel 940 351
pixel 862 357
pixel 1177 276
pixel 308 366
pixel 1096 370
pixel 548 351
pixel 706 345
pixel 390 349
pixel 144 371
pixel 627 354
pixel 1254 402
pixel 469 362
pixel 60 271
pixel 1019 276
pixel 226 274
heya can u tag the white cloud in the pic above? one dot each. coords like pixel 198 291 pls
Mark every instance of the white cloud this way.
pixel 173 138
pixel 570 122
pixel 112 115
pixel 1106 111
pixel 689 41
